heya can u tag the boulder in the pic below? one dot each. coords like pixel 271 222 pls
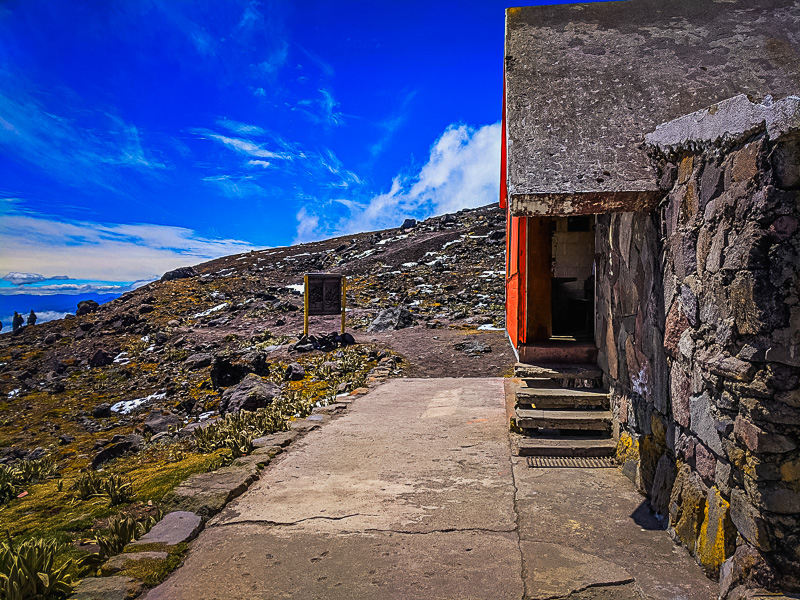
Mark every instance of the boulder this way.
pixel 198 361
pixel 251 393
pixel 130 443
pixel 101 358
pixel 294 372
pixel 85 307
pixel 409 224
pixel 472 346
pixel 159 422
pixel 391 319
pixel 102 411
pixel 179 273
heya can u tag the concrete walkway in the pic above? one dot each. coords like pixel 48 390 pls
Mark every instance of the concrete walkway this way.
pixel 413 494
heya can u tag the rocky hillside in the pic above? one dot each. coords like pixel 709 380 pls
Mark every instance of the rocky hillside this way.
pixel 136 377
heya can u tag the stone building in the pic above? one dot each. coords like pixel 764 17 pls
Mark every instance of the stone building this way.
pixel 651 176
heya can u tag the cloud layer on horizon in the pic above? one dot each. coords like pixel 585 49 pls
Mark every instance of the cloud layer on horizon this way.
pixel 37 243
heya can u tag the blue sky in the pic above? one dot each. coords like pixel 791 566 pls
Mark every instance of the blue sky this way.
pixel 137 136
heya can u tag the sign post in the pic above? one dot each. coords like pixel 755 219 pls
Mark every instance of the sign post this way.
pixel 324 294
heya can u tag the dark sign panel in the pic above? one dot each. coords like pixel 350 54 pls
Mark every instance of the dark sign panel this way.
pixel 324 294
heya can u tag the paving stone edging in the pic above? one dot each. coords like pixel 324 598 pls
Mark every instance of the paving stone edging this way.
pixel 199 498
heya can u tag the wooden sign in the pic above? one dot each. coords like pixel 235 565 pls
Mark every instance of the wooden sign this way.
pixel 324 295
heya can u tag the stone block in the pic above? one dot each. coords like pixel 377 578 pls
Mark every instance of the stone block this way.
pixel 206 494
pixel 764 410
pixel 747 249
pixel 107 588
pixel 688 506
pixel 729 367
pixel 786 164
pixel 713 260
pixel 745 162
pixel 711 183
pixel 120 562
pixel 681 388
pixel 758 440
pixel 774 496
pixel 705 463
pixel 717 535
pixel 175 528
pixel 689 303
pixel 748 521
pixel 676 324
pixel 663 480
pixel 722 477
pixel 703 424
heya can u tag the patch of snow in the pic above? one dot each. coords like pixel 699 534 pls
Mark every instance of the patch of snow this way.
pixel 125 407
pixel 489 327
pixel 298 287
pixel 365 254
pixel 122 358
pixel 205 415
pixel 450 243
pixel 410 265
pixel 214 309
pixel 145 338
pixel 14 393
pixel 391 240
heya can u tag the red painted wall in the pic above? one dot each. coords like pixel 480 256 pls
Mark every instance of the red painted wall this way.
pixel 516 236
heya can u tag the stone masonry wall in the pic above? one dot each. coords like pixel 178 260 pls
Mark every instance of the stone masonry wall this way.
pixel 698 324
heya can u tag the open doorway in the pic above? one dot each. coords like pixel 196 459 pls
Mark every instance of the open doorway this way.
pixel 572 291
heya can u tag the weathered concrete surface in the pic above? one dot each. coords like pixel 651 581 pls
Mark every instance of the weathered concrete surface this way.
pixel 411 494
pixel 598 514
pixel 585 82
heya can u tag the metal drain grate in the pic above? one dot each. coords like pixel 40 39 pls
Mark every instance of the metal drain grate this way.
pixel 571 462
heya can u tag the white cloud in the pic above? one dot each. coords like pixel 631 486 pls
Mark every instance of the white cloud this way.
pixel 258 163
pixel 307 227
pixel 102 251
pixel 463 171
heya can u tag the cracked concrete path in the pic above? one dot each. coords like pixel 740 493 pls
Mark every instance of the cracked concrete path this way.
pixel 413 494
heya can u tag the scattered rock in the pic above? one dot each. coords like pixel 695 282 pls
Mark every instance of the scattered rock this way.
pixel 391 319
pixel 159 422
pixel 101 358
pixel 251 393
pixel 179 273
pixel 131 443
pixel 85 307
pixel 102 411
pixel 294 372
pixel 472 346
pixel 198 361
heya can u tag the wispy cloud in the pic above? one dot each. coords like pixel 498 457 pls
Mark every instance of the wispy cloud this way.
pixel 392 124
pixel 242 145
pixel 462 171
pixel 240 128
pixel 63 147
pixel 38 243
pixel 323 110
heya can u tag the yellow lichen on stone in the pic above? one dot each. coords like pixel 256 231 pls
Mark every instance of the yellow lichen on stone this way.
pixel 716 534
pixel 627 447
pixel 790 473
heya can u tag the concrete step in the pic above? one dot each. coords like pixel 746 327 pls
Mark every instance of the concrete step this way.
pixel 545 398
pixel 566 446
pixel 541 371
pixel 598 420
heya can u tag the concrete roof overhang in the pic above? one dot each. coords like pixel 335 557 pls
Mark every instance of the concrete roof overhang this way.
pixel 586 82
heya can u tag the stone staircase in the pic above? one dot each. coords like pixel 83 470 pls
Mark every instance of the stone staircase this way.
pixel 561 410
